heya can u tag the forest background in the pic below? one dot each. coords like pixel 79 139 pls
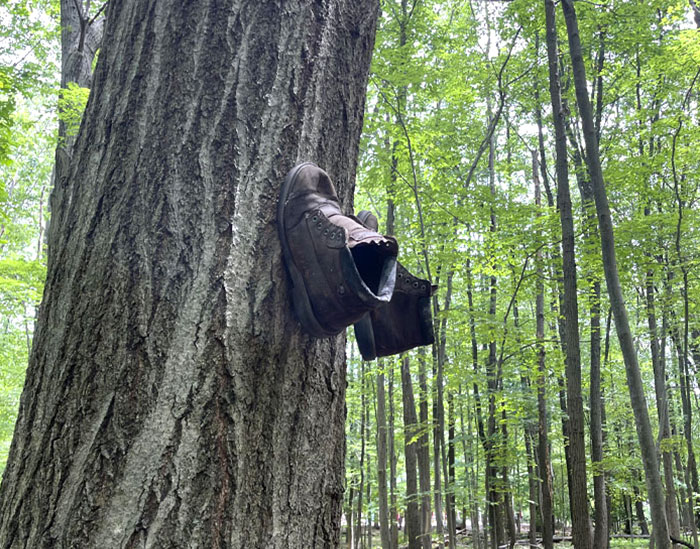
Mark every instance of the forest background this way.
pixel 458 160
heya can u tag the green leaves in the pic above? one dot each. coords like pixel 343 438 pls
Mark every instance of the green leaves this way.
pixel 28 78
pixel 71 105
pixel 21 283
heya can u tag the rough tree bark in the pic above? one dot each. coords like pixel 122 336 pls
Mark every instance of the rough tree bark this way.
pixel 171 399
pixel 634 381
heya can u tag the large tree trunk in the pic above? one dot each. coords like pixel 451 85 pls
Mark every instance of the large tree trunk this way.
pixel 171 398
pixel 634 381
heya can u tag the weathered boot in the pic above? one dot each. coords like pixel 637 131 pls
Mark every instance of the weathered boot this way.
pixel 339 268
pixel 405 322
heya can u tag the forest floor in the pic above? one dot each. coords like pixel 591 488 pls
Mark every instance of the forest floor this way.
pixel 464 542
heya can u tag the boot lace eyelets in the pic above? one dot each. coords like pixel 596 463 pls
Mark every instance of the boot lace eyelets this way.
pixel 415 284
pixel 319 226
pixel 314 219
pixel 325 232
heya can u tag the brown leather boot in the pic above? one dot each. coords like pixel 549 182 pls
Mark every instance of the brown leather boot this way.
pixel 405 322
pixel 339 268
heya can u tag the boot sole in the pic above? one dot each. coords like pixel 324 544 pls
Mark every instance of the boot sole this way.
pixel 300 295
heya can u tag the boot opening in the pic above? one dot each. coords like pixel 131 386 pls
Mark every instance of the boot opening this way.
pixel 370 260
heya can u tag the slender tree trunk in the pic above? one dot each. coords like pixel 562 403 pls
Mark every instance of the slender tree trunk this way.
pixel 393 506
pixel 349 512
pixel 507 489
pixel 686 408
pixel 628 514
pixel 683 345
pixel 685 498
pixel 171 395
pixel 471 457
pixel 495 507
pixel 81 36
pixel 475 387
pixel 601 532
pixel 437 441
pixel 658 357
pixel 368 522
pixel 529 428
pixel 606 355
pixel 542 164
pixel 363 437
pixel 533 490
pixel 451 470
pixel 440 423
pixel 424 450
pixel 639 509
pixel 413 518
pixel 581 533
pixel 634 381
pixel 544 464
pixel 669 326
pixel 382 461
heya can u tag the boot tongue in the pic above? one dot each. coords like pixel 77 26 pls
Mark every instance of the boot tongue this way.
pixel 359 235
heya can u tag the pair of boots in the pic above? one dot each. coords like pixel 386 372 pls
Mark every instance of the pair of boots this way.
pixel 344 272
